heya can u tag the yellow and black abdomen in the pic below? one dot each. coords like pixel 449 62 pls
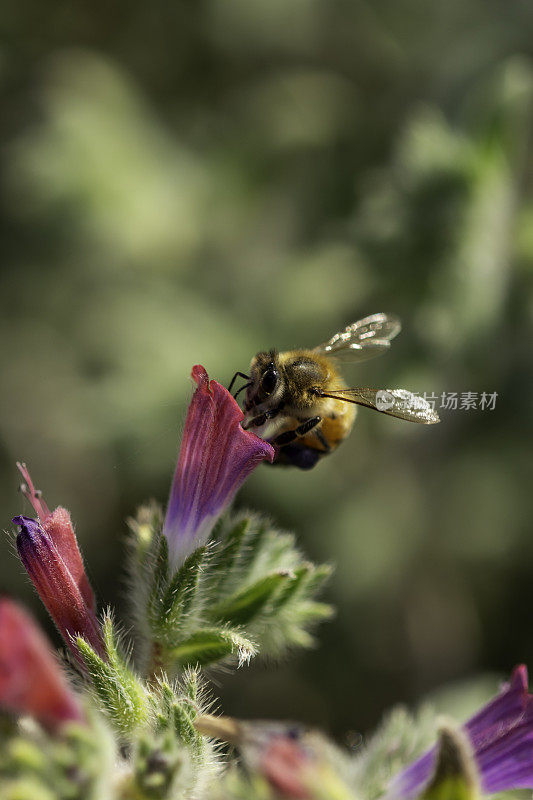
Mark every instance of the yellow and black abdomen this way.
pixel 334 428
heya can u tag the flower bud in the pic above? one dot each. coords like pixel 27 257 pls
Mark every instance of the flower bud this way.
pixel 63 594
pixel 31 679
pixel 58 525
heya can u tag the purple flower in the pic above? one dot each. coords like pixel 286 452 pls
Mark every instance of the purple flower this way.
pixel 501 735
pixel 216 456
pixel 31 680
pixel 47 562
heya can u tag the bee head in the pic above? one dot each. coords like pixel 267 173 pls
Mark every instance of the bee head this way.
pixel 265 379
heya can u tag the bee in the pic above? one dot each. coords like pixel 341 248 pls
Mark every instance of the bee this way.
pixel 299 402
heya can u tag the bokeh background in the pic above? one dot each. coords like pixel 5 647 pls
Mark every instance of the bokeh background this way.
pixel 192 182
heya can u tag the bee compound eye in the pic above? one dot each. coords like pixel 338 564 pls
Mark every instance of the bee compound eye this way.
pixel 269 381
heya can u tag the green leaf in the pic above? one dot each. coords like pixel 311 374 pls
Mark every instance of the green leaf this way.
pixel 110 642
pixel 311 611
pixel 251 543
pixel 212 644
pixel 159 581
pixel 181 591
pixel 317 577
pixel 145 527
pixel 292 586
pixel 120 693
pixel 184 725
pixel 246 604
pixel 229 553
pixel 192 686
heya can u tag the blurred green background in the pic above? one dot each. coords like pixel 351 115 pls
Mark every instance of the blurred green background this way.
pixel 191 182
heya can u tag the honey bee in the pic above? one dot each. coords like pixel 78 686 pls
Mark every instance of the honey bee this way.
pixel 298 401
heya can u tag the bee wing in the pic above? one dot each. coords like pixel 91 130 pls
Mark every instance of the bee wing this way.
pixel 394 402
pixel 367 338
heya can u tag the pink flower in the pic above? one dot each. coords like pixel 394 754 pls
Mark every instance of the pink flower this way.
pixel 50 553
pixel 58 525
pixel 286 766
pixel 31 680
pixel 56 586
pixel 216 457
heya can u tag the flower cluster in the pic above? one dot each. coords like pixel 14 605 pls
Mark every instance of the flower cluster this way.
pixel 208 587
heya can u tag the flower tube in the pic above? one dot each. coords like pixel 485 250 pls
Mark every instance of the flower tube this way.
pixel 216 456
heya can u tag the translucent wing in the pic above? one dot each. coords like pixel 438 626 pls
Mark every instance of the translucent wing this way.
pixel 395 402
pixel 362 340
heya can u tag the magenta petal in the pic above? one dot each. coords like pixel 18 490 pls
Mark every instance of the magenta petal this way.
pixel 501 734
pixel 59 528
pixel 216 457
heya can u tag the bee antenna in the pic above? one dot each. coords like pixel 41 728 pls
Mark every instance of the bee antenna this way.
pixel 237 375
pixel 243 387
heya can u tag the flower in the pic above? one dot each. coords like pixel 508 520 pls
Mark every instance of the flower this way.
pixel 49 551
pixel 31 680
pixel 274 750
pixel 296 763
pixel 64 594
pixel 285 764
pixel 58 525
pixel 216 457
pixel 501 735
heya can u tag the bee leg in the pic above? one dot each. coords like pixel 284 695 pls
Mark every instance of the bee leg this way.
pixel 323 441
pixel 237 375
pixel 256 422
pixel 289 436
